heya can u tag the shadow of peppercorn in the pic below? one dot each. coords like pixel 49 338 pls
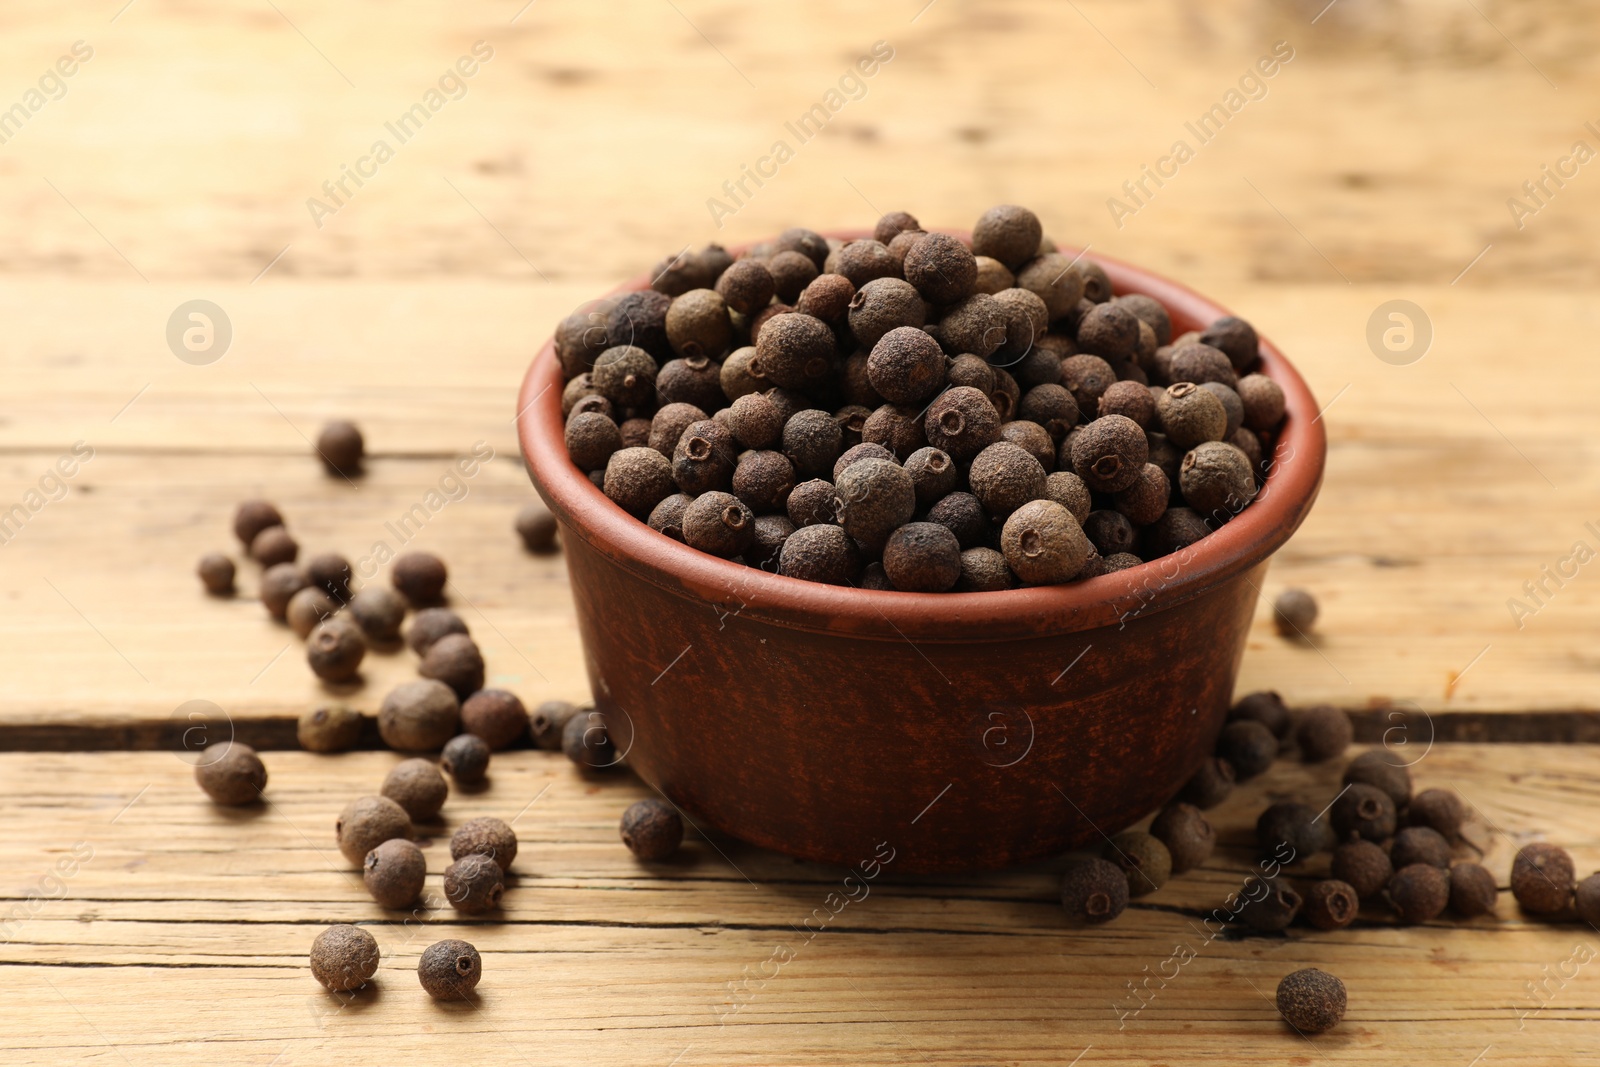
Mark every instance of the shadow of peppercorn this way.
pixel 351 1002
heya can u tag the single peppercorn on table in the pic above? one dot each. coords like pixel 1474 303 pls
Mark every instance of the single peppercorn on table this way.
pixel 1449 551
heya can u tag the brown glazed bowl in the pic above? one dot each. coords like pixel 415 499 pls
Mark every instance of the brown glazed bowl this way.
pixel 951 732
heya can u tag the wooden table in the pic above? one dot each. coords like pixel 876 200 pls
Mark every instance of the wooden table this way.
pixel 143 925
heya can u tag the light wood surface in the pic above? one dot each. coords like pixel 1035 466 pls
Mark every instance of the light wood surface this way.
pixel 183 937
pixel 178 165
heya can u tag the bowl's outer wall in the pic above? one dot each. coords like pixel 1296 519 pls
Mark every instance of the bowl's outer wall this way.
pixel 789 715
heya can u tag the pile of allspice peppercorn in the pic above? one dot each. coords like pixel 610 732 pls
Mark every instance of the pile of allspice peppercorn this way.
pixel 915 411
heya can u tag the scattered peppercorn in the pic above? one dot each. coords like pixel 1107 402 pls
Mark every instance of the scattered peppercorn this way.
pixel 334 650
pixel 1093 890
pixel 333 728
pixel 1542 878
pixel 1438 809
pixel 1210 784
pixel 1311 1001
pixel 253 516
pixel 419 576
pixel 368 822
pixel 1270 904
pixel 454 659
pixel 1187 833
pixel 1331 904
pixel 1473 893
pixel 465 758
pixel 1300 826
pixel 1293 612
pixel 430 624
pixel 1323 733
pixel 1377 767
pixel 652 829
pixel 394 873
pixel 341 448
pixel 1248 746
pixel 485 836
pixel 1363 865
pixel 216 573
pixel 344 958
pixel 418 787
pixel 1265 707
pixel 537 528
pixel 586 740
pixel 1419 892
pixel 547 722
pixel 449 970
pixel 231 774
pixel 419 716
pixel 494 715
pixel 1365 810
pixel 1586 898
pixel 1143 859
pixel 1419 844
pixel 273 546
pixel 330 572
pixel 379 611
pixel 474 884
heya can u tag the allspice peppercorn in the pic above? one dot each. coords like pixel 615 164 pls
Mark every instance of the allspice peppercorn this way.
pixel 253 516
pixel 795 351
pixel 899 429
pixel 1293 612
pixel 1542 877
pixel 1270 904
pixel 754 421
pixel 813 502
pixel 1190 415
pixel 587 742
pixel 766 542
pixel 1069 490
pixel 474 884
pixel 1235 337
pixel 962 422
pixel 1248 746
pixel 993 277
pixel 1331 905
pixel 430 624
pixel 537 528
pixel 942 268
pixel 1419 844
pixel 419 716
pixel 1323 733
pixel 1143 859
pixel 341 448
pixel 330 572
pixel 1131 400
pixel 1004 477
pixel 1109 330
pixel 746 286
pixel 1419 892
pixel 1473 893
pixel 922 557
pixel 1294 824
pixel 216 573
pixel 1311 1001
pixel 335 649
pixel 231 774
pixel 639 319
pixel 454 659
pixel 876 496
pixel 465 758
pixel 977 325
pixel 626 376
pixel 1109 531
pixel 394 873
pixel 485 836
pixel 636 479
pixel 418 787
pixel 812 439
pixel 906 366
pixel 1365 810
pixel 1175 530
pixel 1032 439
pixel 1150 311
pixel 450 970
pixel 1265 707
pixel 1027 319
pixel 697 324
pixel 1362 865
pixel 344 958
pixel 962 515
pixel 379 611
pixel 1043 544
pixel 934 475
pixel 1381 768
pixel 828 298
pixel 652 829
pixel 1087 378
pixel 1263 402
pixel 703 461
pixel 983 570
pixel 1586 898
pixel 1199 364
pixel 865 260
pixel 884 305
pixel 718 523
pixel 1187 833
pixel 1110 453
pixel 273 546
pixel 332 728
pixel 1211 784
pixel 1439 810
pixel 547 722
pixel 419 576
pixel 496 716
pixel 591 439
pixel 1054 279
pixel 822 553
pixel 1093 890
pixel 1008 233
pixel 368 822
pixel 1232 406
pixel 1216 480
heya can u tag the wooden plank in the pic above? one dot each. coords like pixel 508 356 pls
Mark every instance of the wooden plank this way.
pixel 185 931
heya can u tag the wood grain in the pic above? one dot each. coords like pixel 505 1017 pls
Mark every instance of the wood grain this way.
pixel 184 933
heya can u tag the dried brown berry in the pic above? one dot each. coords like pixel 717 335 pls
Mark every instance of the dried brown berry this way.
pixel 1232 406
pixel 307 608
pixel 984 570
pixel 449 970
pixel 1439 810
pixel 1419 844
pixel 586 741
pixel 812 439
pixel 1096 282
pixel 1299 826
pixel 474 884
pixel 330 572
pixel 739 375
pixel 637 479
pixel 766 543
pixel 821 553
pixel 1311 1001
pixel 962 515
pixel 394 873
pixel 1146 499
pixel 537 528
pixel 1542 878
pixel 1248 746
pixel 942 268
pixel 1270 905
pixel 1235 337
pixel 1176 529
pixel 922 557
pixel 485 836
pixel 1087 378
pixel 1054 279
pixel 366 823
pixel 754 421
pixel 813 502
pixel 465 758
pixel 865 261
pixel 341 448
pixel 1473 893
pixel 1331 905
pixel 697 324
pixel 626 376
pixel 1198 364
pixel 704 458
pixel 419 716
pixel 906 366
pixel 718 523
pixel 335 649
pixel 419 577
pixel 430 624
pixel 1052 407
pixel 344 958
pixel 1216 480
pixel 895 222
pixel 216 573
pixel 1129 399
pixel 1190 415
pixel 898 429
pixel 828 298
pixel 1109 531
pixel 976 325
pixel 1109 330
pixel 1364 810
pixel 1265 707
pixel 1027 319
pixel 273 546
pixel 795 351
pixel 1419 892
pixel 1152 313
pixel 1323 733
pixel 993 276
pixel 1068 490
pixel 1110 453
pixel 1379 767
pixel 652 829
pixel 639 319
pixel 1187 833
pixel 883 305
pixel 1210 784
pixel 1032 439
pixel 933 473
pixel 1294 612
pixel 253 516
pixel 379 611
pixel 1143 859
pixel 455 660
pixel 547 722
pixel 876 497
pixel 1008 233
pixel 962 422
pixel 1363 865
pixel 231 774
pixel 1093 890
pixel 494 715
pixel 1004 477
pixel 1263 402
pixel 591 439
pixel 746 286
pixel 1043 544
pixel 333 728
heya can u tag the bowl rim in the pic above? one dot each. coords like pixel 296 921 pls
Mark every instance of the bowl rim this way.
pixel 1114 599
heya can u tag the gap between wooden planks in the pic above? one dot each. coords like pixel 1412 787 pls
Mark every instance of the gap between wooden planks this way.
pixel 184 933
